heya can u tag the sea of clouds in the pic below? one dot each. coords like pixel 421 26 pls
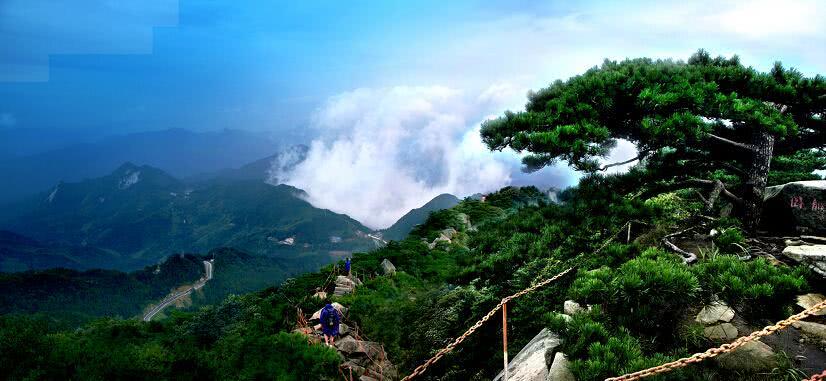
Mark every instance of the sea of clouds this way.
pixel 382 152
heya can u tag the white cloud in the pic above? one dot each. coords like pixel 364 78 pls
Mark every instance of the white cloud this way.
pixel 385 151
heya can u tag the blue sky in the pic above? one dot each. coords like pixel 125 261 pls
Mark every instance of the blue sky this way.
pixel 134 65
pixel 391 92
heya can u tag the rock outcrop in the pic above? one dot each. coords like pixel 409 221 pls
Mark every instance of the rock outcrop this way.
pixel 798 207
pixel 560 369
pixel 715 312
pixel 812 255
pixel 571 308
pixel 530 363
pixel 816 330
pixel 365 360
pixel 721 332
pixel 445 235
pixel 810 300
pixel 345 285
pixel 388 268
pixel 754 356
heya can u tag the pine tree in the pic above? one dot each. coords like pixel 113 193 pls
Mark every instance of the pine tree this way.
pixel 708 122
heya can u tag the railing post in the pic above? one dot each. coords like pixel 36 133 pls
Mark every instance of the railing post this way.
pixel 505 338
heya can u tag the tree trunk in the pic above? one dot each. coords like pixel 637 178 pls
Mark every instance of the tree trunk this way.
pixel 758 173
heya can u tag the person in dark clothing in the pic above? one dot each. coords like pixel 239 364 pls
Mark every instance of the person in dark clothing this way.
pixel 347 266
pixel 330 322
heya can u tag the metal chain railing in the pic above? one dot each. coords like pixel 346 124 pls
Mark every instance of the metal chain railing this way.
pixel 725 348
pixel 818 377
pixel 421 368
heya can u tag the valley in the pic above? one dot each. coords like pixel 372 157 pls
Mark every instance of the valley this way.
pixel 412 190
pixel 188 289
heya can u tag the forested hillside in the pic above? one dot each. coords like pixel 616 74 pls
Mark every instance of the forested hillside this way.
pixel 140 214
pixel 652 251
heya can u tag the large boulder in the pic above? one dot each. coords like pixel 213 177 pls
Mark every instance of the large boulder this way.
pixel 387 267
pixel 560 369
pixel 812 255
pixel 350 346
pixel 715 312
pixel 798 207
pixel 754 356
pixel 721 332
pixel 816 330
pixel 810 300
pixel 571 307
pixel 530 364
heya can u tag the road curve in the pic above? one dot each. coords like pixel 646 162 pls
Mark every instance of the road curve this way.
pixel 208 268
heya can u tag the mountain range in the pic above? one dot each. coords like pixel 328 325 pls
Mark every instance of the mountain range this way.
pixel 94 247
pixel 35 160
pixel 406 223
pixel 140 214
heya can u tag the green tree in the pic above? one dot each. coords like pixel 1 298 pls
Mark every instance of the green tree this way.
pixel 708 122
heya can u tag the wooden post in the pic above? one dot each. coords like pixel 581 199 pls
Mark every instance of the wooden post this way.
pixel 628 237
pixel 505 338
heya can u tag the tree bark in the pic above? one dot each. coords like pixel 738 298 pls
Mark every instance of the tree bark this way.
pixel 758 173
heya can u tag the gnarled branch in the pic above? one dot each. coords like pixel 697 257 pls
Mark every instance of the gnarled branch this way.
pixel 718 184
pixel 732 142
pixel 606 166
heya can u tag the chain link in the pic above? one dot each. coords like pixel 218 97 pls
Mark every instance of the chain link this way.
pixel 421 368
pixel 725 348
pixel 818 377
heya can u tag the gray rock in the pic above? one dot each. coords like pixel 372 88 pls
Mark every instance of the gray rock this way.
pixel 812 329
pixel 721 332
pixel 357 369
pixel 572 308
pixel 530 364
pixel 812 255
pixel 350 346
pixel 560 369
pixel 387 267
pixel 798 207
pixel 343 329
pixel 343 281
pixel 754 356
pixel 715 312
pixel 367 378
pixel 810 300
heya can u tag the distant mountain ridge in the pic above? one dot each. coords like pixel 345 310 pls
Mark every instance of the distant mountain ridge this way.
pixel 267 169
pixel 406 223
pixel 145 214
pixel 179 152
pixel 20 253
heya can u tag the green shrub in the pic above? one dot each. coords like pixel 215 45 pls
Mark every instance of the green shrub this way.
pixel 754 287
pixel 728 240
pixel 672 208
pixel 597 352
pixel 645 295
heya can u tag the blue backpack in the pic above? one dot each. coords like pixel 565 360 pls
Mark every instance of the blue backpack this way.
pixel 332 318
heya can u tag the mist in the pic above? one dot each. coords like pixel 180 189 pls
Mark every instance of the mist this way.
pixel 381 152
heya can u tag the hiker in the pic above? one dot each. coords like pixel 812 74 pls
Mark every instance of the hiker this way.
pixel 347 266
pixel 330 321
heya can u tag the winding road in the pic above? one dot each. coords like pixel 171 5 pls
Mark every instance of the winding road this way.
pixel 208 267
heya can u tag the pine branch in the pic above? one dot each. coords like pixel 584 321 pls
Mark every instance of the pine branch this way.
pixel 732 142
pixel 722 187
pixel 606 166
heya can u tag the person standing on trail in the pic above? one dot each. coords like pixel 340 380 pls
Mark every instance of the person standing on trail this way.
pixel 330 322
pixel 347 266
